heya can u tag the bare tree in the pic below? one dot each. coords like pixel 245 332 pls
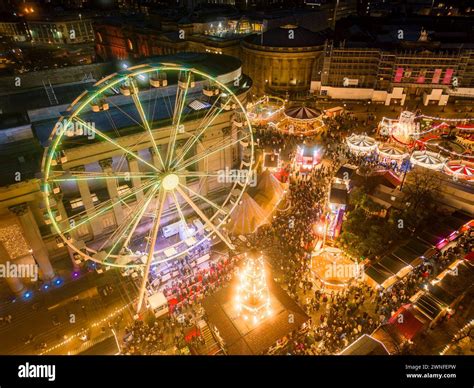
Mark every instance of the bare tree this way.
pixel 420 190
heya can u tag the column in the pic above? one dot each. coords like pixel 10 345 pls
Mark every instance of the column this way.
pixel 112 189
pixel 134 170
pixel 61 210
pixel 58 205
pixel 86 197
pixel 15 283
pixel 33 237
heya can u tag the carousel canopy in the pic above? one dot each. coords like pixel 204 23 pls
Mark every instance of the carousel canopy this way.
pixel 269 190
pixel 392 152
pixel 302 113
pixel 361 142
pixel 247 217
pixel 460 168
pixel 428 159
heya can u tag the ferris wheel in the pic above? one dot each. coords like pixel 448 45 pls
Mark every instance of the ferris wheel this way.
pixel 141 148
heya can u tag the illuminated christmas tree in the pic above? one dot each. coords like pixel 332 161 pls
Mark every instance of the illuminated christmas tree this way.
pixel 253 298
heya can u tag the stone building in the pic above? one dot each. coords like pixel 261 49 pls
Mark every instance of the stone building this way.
pixel 283 59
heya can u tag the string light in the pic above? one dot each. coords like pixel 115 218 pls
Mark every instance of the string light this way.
pixel 466 327
pixel 443 118
pixel 95 324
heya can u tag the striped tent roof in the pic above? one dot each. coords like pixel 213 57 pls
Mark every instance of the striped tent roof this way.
pixel 460 168
pixel 392 152
pixel 302 113
pixel 427 159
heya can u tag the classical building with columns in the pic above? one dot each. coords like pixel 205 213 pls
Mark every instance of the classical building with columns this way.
pixel 282 60
pixel 383 60
pixel 26 234
pixel 22 233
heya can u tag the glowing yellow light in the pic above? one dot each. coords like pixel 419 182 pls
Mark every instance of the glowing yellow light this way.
pixel 170 182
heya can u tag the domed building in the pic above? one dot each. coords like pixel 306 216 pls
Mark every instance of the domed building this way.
pixel 282 59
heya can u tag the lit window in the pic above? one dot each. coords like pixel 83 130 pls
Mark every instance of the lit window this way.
pixel 108 220
pixel 82 230
pixel 123 190
pixel 77 203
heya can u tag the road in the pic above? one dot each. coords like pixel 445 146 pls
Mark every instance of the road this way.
pixel 53 315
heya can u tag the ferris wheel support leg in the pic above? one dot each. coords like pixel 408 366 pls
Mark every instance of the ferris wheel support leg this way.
pixel 154 235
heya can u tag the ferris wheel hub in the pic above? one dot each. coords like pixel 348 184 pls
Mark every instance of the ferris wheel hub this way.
pixel 170 181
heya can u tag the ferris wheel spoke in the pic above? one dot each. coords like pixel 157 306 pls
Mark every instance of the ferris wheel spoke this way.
pixel 114 143
pixel 196 159
pixel 144 120
pixel 211 117
pixel 153 237
pixel 196 174
pixel 108 205
pixel 178 208
pixel 133 218
pixel 135 190
pixel 180 101
pixel 201 214
pixel 208 201
pixel 126 114
pixel 67 176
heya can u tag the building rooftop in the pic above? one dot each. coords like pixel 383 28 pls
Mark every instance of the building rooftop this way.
pixel 12 120
pixel 365 346
pixel 212 64
pixel 289 35
pixel 36 98
pixel 392 32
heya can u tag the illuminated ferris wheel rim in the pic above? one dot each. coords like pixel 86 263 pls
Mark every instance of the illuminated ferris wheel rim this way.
pixel 108 83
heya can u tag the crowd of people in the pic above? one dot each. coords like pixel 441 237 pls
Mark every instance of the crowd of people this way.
pixel 337 318
pixel 343 317
pixel 184 295
pixel 184 292
pixel 294 229
pixel 142 338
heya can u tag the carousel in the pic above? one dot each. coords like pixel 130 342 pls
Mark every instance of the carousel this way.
pixel 265 110
pixel 428 159
pixel 333 268
pixel 361 144
pixel 403 130
pixel 392 152
pixel 465 136
pixel 302 121
pixel 444 145
pixel 460 169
